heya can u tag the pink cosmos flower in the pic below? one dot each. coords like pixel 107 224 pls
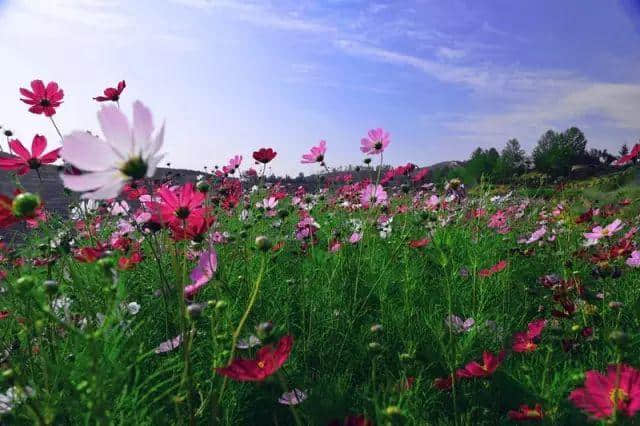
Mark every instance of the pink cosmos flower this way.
pixel 169 345
pixel 375 142
pixel 334 246
pixel 618 390
pixel 634 260
pixel 433 202
pixel 25 160
pixel 600 232
pixel 373 195
pixel 112 93
pixel 527 341
pixel 355 238
pixel 129 153
pixel 490 364
pixel 202 273
pixel 42 99
pixel 536 235
pixel 316 155
pixel 269 205
pixel 458 325
pixel 294 397
pixel 234 163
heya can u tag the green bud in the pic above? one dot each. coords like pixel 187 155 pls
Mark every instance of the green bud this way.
pixel 393 410
pixel 25 283
pixel 264 329
pixel 25 205
pixel 203 186
pixel 619 338
pixel 263 243
pixel 221 305
pixel 376 328
pixel 50 287
pixel 375 347
pixel 106 263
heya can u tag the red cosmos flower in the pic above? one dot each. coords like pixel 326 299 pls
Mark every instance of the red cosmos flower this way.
pixel 421 174
pixel 419 243
pixel 626 159
pixel 42 99
pixel 619 390
pixel 4 314
pixel 126 263
pixel 268 361
pixel 525 413
pixel 264 155
pixel 25 160
pixel 443 383
pixel 474 369
pixel 176 206
pixel 134 190
pixel 359 420
pixel 112 93
pixel 526 341
pixel 194 228
pixel 494 269
pixel 89 254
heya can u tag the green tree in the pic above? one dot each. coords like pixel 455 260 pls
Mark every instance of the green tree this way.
pixel 556 153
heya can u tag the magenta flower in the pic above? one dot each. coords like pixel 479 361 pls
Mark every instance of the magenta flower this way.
pixel 600 232
pixel 618 390
pixel 128 153
pixel 375 142
pixel 25 160
pixel 234 163
pixel 373 195
pixel 316 155
pixel 355 238
pixel 43 100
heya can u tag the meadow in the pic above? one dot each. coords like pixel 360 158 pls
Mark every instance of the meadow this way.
pixel 385 301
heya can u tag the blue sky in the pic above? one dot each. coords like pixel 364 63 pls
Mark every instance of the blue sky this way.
pixel 229 76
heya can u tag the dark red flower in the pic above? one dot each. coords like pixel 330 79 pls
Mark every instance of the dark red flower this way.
pixel 126 263
pixel 264 155
pixel 359 420
pixel 42 99
pixel 89 254
pixel 474 369
pixel 267 362
pixel 112 93
pixel 23 160
pixel 443 383
pixel 4 314
pixel 419 243
pixel 494 269
pixel 527 341
pixel 525 413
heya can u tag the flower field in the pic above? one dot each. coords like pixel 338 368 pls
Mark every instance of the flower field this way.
pixel 231 300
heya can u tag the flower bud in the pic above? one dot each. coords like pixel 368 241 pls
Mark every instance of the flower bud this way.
pixel 25 205
pixel 264 329
pixel 619 338
pixel 375 347
pixel 221 305
pixel 194 310
pixel 50 287
pixel 376 328
pixel 263 243
pixel 615 304
pixel 203 186
pixel 24 284
pixel 393 410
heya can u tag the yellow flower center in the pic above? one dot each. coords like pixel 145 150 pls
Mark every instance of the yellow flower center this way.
pixel 532 414
pixel 617 396
pixel 260 364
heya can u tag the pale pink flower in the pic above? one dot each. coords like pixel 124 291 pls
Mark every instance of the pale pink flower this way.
pixel 373 195
pixel 334 246
pixel 294 397
pixel 202 273
pixel 600 232
pixel 634 260
pixel 375 142
pixel 234 163
pixel 433 202
pixel 127 153
pixel 355 238
pixel 316 155
pixel 169 345
pixel 536 235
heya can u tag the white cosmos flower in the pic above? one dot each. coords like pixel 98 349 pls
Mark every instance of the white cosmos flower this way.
pixel 128 152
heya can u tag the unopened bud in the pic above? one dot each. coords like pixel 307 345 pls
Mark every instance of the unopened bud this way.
pixel 263 243
pixel 25 205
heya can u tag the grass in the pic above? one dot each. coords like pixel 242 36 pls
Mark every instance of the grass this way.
pixel 84 370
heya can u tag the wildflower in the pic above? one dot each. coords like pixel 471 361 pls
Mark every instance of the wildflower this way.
pixel 267 362
pixel 419 243
pixel 433 202
pixel 14 396
pixel 600 232
pixel 133 308
pixel 112 93
pixel 358 420
pixel 536 235
pixel 525 413
pixel 526 341
pixel 248 343
pixel 25 160
pixel 177 205
pixel 626 159
pixel 355 238
pixel 494 269
pixel 264 155
pixel 375 142
pixel 294 397
pixel 316 155
pixel 474 369
pixel 42 99
pixel 618 390
pixel 443 383
pixel 202 273
pixel 129 153
pixel 234 163
pixel 373 195
pixel 634 260
pixel 168 345
pixel 458 325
